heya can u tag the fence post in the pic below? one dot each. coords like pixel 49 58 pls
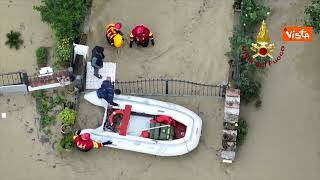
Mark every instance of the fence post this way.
pixel 167 87
pixel 25 78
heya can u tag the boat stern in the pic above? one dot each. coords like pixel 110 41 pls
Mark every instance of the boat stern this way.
pixel 194 139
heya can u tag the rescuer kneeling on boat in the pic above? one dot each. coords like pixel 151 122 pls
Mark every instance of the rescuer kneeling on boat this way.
pixel 84 143
pixel 141 35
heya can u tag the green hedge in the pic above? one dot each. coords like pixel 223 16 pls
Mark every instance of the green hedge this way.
pixel 66 18
pixel 63 52
pixel 237 41
pixel 42 56
pixel 252 14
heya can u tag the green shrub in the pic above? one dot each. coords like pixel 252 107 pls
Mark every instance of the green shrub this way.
pixel 249 87
pixel 44 107
pixel 46 120
pixel 248 83
pixel 14 39
pixel 67 116
pixel 252 14
pixel 237 41
pixel 64 16
pixel 42 56
pixel 313 15
pixel 67 142
pixel 41 94
pixel 242 131
pixel 258 103
pixel 63 53
pixel 57 100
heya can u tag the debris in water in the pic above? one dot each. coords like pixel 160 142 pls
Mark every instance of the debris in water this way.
pixel 44 139
pixel 3 115
pixel 30 130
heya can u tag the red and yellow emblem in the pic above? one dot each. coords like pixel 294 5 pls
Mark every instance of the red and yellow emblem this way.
pixel 263 47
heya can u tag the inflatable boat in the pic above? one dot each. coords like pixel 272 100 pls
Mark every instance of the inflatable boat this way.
pixel 146 126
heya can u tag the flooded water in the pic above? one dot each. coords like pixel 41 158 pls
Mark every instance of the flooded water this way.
pixel 283 140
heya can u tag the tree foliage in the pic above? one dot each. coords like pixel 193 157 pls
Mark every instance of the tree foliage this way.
pixel 237 41
pixel 249 87
pixel 64 16
pixel 252 14
pixel 313 15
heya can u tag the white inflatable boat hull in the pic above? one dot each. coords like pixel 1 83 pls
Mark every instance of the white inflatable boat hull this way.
pixel 144 145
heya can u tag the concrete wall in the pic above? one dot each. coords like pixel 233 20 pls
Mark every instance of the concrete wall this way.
pixel 13 88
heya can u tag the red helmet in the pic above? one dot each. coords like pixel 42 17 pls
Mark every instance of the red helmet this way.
pixel 140 29
pixel 118 26
pixel 85 136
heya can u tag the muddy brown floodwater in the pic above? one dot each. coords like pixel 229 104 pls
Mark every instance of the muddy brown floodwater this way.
pixel 191 39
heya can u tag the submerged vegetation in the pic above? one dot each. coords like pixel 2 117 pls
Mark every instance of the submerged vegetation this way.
pixel 66 142
pixel 43 108
pixel 46 105
pixel 313 15
pixel 258 103
pixel 63 52
pixel 251 15
pixel 66 19
pixel 14 39
pixel 42 56
pixel 53 105
pixel 242 131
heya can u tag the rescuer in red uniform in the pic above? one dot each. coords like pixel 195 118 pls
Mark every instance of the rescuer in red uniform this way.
pixel 114 35
pixel 85 144
pixel 141 35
